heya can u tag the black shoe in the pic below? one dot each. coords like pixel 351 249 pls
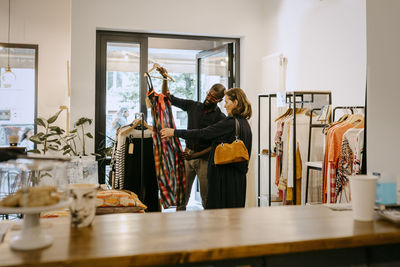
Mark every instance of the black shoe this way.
pixel 181 208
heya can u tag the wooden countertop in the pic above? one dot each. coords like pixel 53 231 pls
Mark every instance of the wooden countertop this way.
pixel 183 237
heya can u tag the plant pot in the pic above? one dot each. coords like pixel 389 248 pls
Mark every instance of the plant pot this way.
pixel 83 170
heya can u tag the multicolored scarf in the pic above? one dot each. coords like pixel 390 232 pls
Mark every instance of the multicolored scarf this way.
pixel 170 168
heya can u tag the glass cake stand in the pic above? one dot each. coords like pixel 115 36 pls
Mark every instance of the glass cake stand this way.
pixel 31 236
pixel 22 174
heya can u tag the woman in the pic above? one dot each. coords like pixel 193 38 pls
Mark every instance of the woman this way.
pixel 226 183
pixel 121 118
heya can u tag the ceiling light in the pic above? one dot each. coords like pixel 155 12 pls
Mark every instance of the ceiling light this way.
pixel 8 76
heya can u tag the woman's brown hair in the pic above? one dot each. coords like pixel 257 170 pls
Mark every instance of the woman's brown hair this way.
pixel 243 107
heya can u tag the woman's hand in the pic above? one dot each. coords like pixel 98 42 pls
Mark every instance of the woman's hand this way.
pixel 167 132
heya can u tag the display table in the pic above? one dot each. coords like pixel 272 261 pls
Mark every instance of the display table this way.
pixel 251 236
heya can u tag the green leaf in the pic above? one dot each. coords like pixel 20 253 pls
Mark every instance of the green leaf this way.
pixel 73 131
pixel 55 148
pixel 89 135
pixel 39 121
pixel 35 139
pixel 80 121
pixel 66 151
pixel 66 147
pixel 56 129
pixel 58 142
pixel 35 151
pixel 83 120
pixel 54 117
pixel 48 135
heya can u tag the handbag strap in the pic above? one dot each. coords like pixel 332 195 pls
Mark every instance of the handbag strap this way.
pixel 237 127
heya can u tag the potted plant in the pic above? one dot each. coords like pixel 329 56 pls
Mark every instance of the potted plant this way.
pixel 83 167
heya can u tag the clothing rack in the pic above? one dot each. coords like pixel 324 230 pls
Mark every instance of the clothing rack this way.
pixel 141 196
pixel 142 128
pixel 290 99
pixel 316 165
pixel 351 108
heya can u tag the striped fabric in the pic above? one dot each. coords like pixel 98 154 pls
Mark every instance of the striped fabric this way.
pixel 170 168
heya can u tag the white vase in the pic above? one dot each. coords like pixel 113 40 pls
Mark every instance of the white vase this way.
pixel 83 170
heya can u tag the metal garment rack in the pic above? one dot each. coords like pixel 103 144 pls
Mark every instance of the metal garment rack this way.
pixel 351 108
pixel 141 157
pixel 313 165
pixel 291 96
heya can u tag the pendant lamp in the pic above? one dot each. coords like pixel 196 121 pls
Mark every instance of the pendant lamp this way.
pixel 8 78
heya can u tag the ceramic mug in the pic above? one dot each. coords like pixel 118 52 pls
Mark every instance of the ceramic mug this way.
pixel 83 206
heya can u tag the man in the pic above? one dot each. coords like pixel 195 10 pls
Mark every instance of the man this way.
pixel 200 115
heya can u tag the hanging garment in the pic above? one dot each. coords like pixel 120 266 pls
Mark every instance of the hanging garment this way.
pixel 279 153
pixel 347 163
pixel 119 153
pixel 332 154
pixel 170 168
pixel 358 152
pixel 145 187
pixel 302 133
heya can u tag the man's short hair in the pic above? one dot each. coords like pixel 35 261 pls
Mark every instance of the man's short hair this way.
pixel 219 89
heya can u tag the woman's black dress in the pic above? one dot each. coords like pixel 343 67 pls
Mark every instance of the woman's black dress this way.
pixel 226 183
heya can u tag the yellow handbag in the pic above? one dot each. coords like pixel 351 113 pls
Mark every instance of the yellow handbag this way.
pixel 236 151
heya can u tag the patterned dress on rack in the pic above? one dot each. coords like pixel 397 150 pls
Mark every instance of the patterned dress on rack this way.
pixel 170 168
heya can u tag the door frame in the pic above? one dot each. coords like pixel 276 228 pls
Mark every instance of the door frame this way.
pixel 104 36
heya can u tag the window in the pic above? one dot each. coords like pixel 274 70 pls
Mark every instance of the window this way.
pixel 18 100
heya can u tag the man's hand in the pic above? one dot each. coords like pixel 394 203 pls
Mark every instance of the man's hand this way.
pixel 187 155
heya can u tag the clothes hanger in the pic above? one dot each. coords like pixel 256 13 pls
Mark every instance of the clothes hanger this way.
pixel 288 112
pixel 341 120
pixel 135 123
pixel 139 122
pixel 121 128
pixel 162 71
pixel 356 118
pixel 301 110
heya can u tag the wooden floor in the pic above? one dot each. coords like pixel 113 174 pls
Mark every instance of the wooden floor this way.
pixel 200 236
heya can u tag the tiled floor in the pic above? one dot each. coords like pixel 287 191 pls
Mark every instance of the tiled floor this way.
pixel 194 201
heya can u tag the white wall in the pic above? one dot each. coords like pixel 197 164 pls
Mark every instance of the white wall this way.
pixel 47 24
pixel 325 43
pixel 230 18
pixel 383 93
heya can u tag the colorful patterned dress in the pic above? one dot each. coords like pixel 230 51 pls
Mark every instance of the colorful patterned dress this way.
pixel 170 168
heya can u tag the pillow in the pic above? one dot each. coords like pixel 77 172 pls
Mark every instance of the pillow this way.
pixel 118 198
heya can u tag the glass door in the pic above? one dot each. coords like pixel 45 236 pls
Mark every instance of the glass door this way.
pixel 215 66
pixel 120 87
